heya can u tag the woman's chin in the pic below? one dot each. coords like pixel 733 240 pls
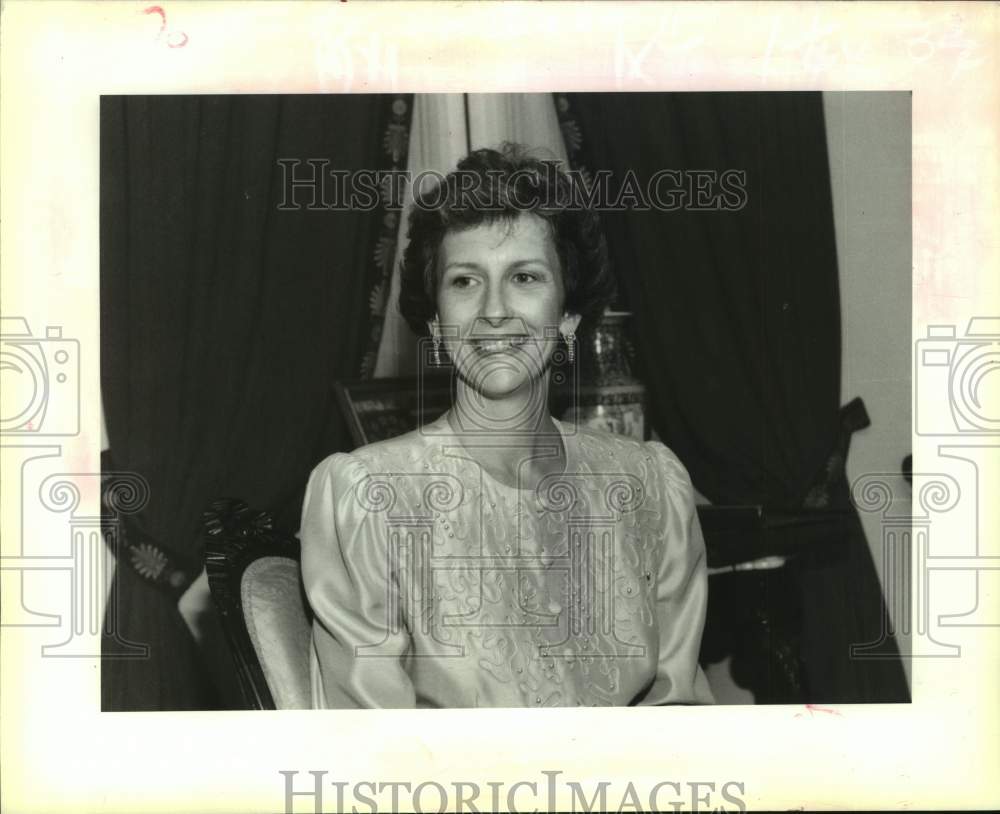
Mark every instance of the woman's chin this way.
pixel 502 384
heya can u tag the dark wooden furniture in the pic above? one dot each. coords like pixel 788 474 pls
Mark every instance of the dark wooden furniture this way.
pixel 253 572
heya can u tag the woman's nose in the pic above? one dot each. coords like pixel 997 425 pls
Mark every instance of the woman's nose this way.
pixel 495 306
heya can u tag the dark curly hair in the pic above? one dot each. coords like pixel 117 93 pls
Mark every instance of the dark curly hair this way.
pixel 499 185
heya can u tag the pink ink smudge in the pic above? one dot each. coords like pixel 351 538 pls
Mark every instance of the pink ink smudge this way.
pixel 814 708
pixel 175 39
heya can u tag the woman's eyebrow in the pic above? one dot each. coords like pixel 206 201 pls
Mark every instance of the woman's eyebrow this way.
pixel 462 264
pixel 472 264
pixel 530 261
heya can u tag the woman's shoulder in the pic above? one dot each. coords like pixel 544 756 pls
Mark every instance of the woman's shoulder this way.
pixel 396 472
pixel 642 458
pixel 389 455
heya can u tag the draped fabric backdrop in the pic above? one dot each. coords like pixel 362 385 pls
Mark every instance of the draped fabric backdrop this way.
pixel 445 126
pixel 225 322
pixel 737 322
pixel 437 142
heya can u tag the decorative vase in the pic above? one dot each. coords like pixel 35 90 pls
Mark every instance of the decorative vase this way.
pixel 605 395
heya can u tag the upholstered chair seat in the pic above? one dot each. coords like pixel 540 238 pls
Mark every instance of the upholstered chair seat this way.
pixel 279 629
pixel 256 584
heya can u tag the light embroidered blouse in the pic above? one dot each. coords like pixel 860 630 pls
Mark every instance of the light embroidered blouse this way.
pixel 435 585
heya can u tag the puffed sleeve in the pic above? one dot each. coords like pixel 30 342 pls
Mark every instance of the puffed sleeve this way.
pixel 681 589
pixel 358 639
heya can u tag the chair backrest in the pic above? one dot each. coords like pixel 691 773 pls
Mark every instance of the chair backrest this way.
pixel 255 580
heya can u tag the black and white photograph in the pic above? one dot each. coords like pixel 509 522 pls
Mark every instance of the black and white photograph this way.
pixel 503 400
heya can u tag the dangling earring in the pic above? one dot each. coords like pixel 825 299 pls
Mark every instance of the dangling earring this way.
pixel 570 340
pixel 436 353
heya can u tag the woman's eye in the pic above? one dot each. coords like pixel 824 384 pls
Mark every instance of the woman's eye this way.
pixel 525 277
pixel 462 282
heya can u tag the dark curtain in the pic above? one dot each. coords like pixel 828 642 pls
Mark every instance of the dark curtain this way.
pixel 224 323
pixel 737 322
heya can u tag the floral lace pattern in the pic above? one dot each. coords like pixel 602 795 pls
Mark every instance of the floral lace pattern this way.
pixel 458 590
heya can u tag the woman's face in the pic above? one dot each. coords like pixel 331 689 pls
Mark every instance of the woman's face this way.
pixel 500 304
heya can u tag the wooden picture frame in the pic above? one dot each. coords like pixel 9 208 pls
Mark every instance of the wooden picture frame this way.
pixel 377 409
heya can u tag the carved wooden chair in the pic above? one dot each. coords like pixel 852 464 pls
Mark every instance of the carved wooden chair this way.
pixel 254 576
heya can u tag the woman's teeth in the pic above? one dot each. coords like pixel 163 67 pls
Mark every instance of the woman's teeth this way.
pixel 493 345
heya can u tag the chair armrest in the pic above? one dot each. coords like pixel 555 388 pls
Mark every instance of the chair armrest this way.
pixel 235 536
pixel 737 535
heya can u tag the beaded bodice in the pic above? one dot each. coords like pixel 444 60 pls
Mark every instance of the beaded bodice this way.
pixel 434 584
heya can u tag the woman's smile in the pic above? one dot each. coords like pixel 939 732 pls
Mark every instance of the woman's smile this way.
pixel 501 304
pixel 498 344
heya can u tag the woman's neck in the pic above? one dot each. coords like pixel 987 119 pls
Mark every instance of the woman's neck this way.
pixel 522 413
pixel 514 437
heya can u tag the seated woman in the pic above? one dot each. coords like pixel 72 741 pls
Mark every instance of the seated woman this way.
pixel 497 556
